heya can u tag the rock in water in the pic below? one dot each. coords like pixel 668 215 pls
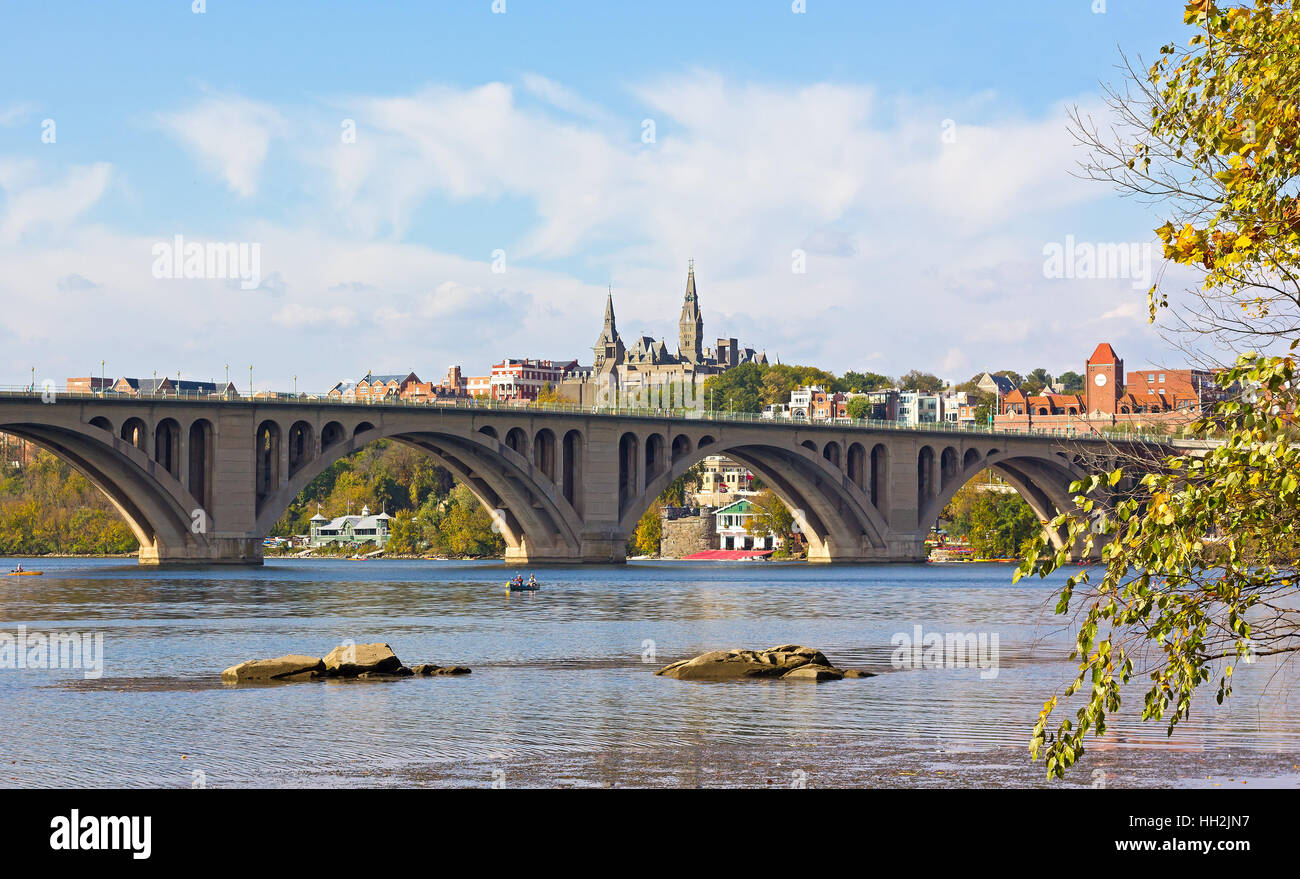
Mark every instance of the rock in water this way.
pixel 453 670
pixel 285 668
pixel 736 664
pixel 812 672
pixel 350 660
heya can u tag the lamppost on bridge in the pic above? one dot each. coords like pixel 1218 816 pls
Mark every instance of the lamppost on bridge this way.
pixel 250 381
pixel 295 386
pixel 153 392
pixel 103 379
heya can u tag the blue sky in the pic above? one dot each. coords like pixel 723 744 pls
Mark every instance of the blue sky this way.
pixel 521 134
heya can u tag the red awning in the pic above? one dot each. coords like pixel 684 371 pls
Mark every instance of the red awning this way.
pixel 727 555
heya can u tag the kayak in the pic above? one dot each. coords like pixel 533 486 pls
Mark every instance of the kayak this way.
pixel 24 573
pixel 524 587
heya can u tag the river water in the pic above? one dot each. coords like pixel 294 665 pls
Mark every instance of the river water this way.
pixel 563 691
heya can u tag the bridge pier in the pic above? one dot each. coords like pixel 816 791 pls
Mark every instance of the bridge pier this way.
pixel 218 551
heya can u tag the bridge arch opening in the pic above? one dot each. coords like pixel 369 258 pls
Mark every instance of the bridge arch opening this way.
pixel 655 462
pixel 267 448
pixel 363 427
pixel 331 435
pixel 135 432
pixel 167 446
pixel 833 514
pixel 156 512
pixel 856 465
pixel 628 470
pixel 832 454
pixel 1041 480
pixel 572 470
pixel 681 447
pixel 948 466
pixel 302 446
pixel 489 430
pixel 201 463
pixel 517 440
pixel 880 476
pixel 102 423
pixel 544 452
pixel 705 440
pixel 925 476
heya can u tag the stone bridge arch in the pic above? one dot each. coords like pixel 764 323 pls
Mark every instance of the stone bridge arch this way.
pixel 147 492
pixel 833 506
pixel 1040 476
pixel 512 475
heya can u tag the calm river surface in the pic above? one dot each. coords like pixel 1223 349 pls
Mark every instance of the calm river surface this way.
pixel 561 694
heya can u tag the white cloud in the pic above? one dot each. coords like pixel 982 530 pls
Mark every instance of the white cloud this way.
pixel 920 254
pixel 50 207
pixel 230 135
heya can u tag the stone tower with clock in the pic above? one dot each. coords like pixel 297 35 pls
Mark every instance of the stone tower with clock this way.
pixel 1105 380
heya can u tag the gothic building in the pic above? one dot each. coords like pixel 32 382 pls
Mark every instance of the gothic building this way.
pixel 649 363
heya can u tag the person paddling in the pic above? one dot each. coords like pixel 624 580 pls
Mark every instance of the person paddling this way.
pixel 532 581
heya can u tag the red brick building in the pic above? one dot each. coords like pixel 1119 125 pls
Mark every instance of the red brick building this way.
pixel 522 380
pixel 1113 397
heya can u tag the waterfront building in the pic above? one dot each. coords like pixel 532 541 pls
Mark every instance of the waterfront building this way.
pixel 731 524
pixel 350 530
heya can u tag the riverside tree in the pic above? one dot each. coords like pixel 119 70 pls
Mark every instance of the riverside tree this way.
pixel 1199 562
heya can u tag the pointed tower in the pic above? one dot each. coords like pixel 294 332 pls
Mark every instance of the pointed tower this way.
pixel 609 347
pixel 690 329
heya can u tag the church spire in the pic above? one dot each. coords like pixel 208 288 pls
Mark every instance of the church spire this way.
pixel 690 329
pixel 609 348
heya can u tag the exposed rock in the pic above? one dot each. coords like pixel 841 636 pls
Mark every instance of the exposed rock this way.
pixel 735 664
pixel 351 660
pixel 812 672
pixel 453 670
pixel 366 662
pixel 284 668
pixel 858 673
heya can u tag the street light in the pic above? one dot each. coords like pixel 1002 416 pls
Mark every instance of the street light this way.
pixel 250 381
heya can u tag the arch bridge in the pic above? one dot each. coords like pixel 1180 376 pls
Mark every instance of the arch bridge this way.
pixel 204 481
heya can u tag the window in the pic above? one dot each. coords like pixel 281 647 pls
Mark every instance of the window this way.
pixel 1162 378
pixel 1151 376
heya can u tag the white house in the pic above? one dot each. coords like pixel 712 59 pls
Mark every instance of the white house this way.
pixel 350 530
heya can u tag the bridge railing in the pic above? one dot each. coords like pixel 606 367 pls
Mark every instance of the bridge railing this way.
pixel 1115 432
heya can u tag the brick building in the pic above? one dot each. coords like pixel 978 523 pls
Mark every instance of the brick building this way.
pixel 1113 397
pixel 523 380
